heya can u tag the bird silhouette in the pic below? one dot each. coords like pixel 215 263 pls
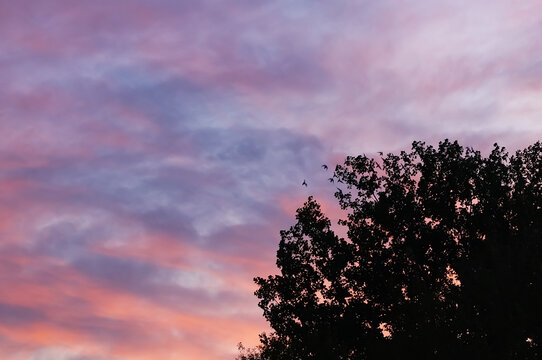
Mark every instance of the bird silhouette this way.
pixel 324 167
pixel 304 183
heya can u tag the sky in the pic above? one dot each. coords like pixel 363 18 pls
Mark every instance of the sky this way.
pixel 151 151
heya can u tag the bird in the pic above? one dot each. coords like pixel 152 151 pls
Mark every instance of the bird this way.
pixel 304 183
pixel 331 180
pixel 324 167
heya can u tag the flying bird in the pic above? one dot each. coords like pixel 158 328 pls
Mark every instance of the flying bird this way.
pixel 324 167
pixel 304 183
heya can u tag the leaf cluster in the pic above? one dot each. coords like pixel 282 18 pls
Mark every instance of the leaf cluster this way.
pixel 442 259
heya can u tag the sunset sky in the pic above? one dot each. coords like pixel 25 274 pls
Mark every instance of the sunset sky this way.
pixel 151 151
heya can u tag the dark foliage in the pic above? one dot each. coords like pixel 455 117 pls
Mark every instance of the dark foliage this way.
pixel 443 260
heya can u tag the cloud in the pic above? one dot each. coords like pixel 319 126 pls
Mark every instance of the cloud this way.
pixel 60 353
pixel 151 152
pixel 18 315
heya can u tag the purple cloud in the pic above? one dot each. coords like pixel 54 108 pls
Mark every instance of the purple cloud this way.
pixel 151 151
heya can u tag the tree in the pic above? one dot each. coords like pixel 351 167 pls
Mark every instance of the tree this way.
pixel 442 259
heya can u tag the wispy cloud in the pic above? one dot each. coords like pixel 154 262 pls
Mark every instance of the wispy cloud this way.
pixel 151 151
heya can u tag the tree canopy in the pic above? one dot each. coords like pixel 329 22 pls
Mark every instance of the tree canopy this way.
pixel 442 259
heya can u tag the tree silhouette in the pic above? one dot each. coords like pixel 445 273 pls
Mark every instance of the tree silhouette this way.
pixel 442 259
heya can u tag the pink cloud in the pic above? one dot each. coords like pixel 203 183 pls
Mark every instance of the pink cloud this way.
pixel 151 152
